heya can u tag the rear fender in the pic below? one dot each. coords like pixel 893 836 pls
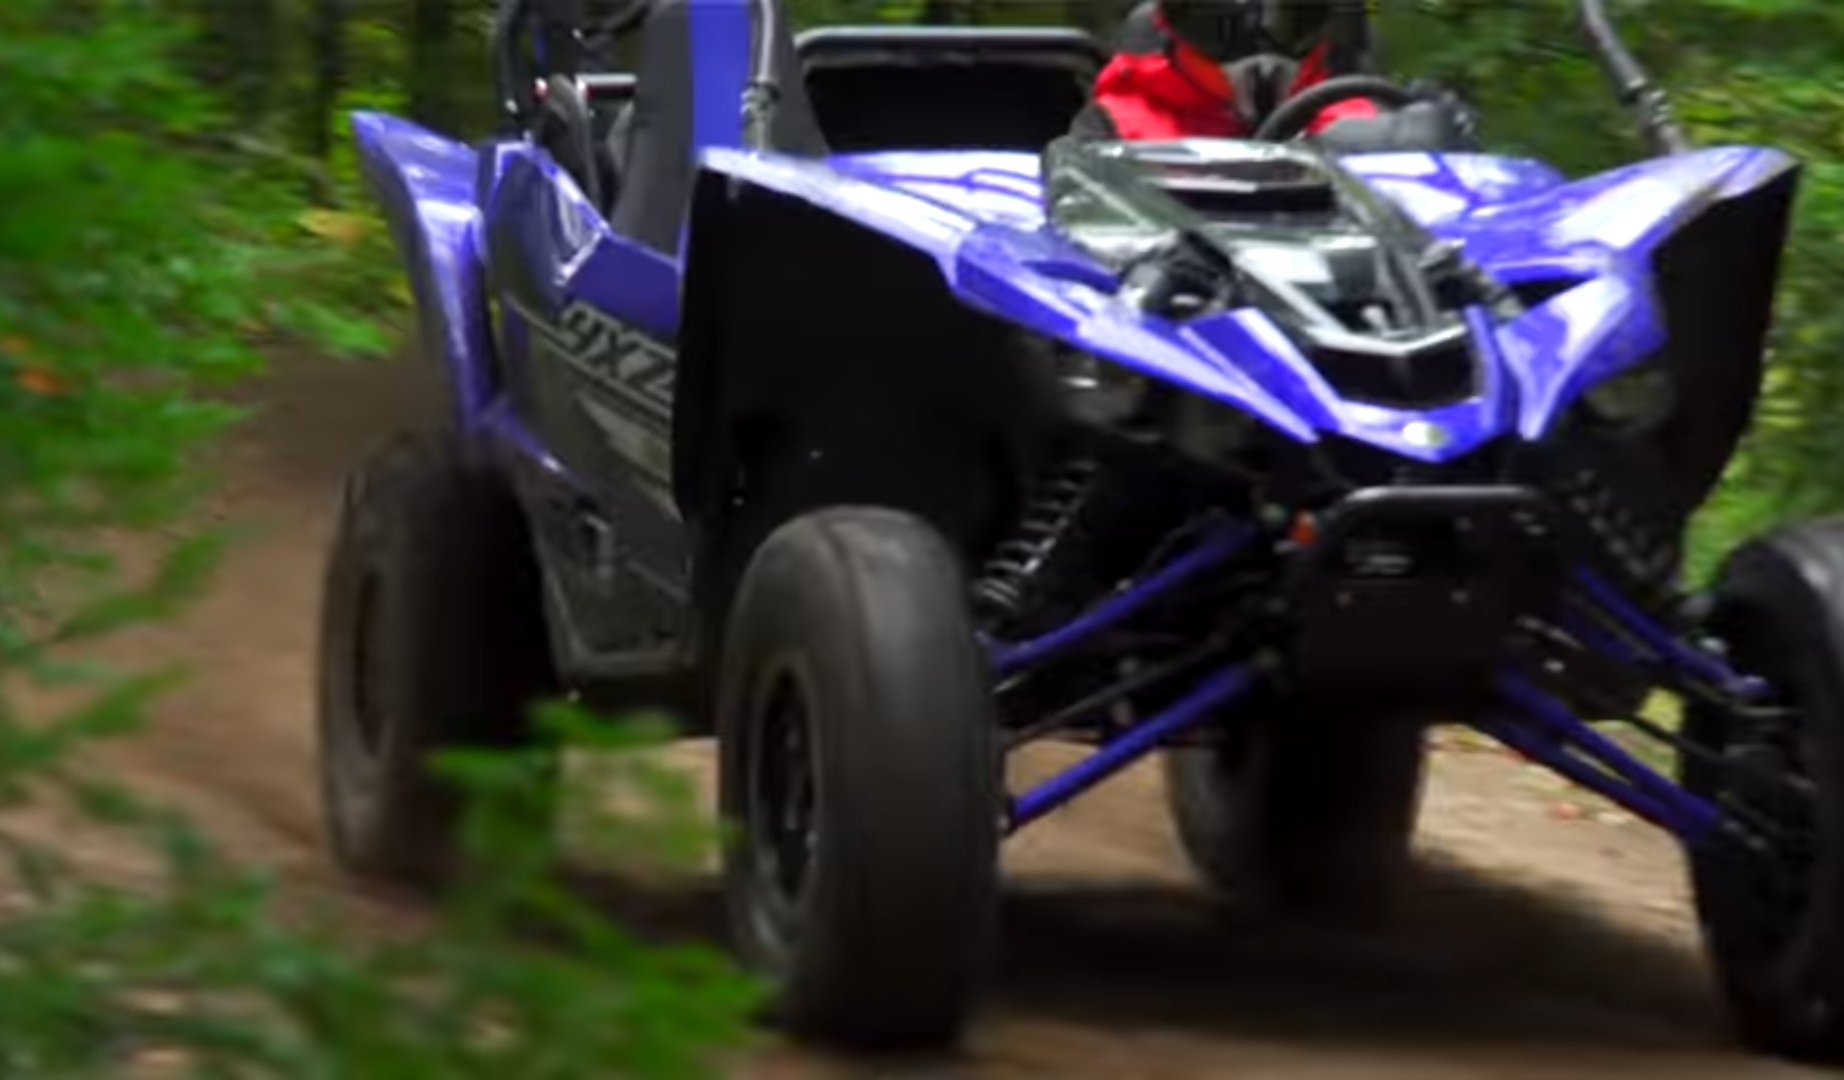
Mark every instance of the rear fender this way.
pixel 998 260
pixel 425 185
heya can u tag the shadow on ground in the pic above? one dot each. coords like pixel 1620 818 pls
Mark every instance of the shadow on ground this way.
pixel 1468 961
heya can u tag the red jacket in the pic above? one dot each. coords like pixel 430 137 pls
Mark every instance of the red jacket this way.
pixel 1170 90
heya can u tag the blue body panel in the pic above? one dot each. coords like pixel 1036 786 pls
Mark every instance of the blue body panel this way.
pixel 979 215
pixel 573 253
pixel 560 340
pixel 425 184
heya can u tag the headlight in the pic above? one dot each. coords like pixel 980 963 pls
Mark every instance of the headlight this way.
pixel 1097 392
pixel 1634 401
pixel 1209 431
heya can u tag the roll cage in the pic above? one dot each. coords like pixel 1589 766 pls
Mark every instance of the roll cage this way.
pixel 631 141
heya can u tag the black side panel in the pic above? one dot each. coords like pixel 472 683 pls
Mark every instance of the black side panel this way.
pixel 701 444
pixel 847 376
pixel 1716 278
pixel 658 163
pixel 1002 106
pixel 940 87
pixel 599 395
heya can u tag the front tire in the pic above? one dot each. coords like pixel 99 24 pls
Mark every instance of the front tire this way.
pixel 1301 812
pixel 1773 921
pixel 432 639
pixel 860 777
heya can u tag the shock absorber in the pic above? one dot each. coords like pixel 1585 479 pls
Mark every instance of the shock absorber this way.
pixel 1005 587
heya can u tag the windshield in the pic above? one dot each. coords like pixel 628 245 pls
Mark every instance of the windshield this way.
pixel 1282 223
pixel 1114 193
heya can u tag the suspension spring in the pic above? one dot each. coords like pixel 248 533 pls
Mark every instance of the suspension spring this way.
pixel 1049 516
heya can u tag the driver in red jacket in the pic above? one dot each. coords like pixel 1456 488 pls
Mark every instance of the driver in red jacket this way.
pixel 1217 68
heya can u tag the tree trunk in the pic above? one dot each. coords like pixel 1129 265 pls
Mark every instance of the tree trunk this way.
pixel 940 13
pixel 238 54
pixel 329 57
pixel 432 71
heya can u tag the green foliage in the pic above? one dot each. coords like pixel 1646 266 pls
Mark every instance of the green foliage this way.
pixel 141 253
pixel 523 977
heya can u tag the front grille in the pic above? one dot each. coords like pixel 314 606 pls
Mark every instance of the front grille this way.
pixel 1423 379
pixel 1356 464
pixel 1620 497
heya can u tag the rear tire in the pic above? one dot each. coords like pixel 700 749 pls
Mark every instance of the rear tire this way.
pixel 859 772
pixel 1773 923
pixel 1301 812
pixel 432 638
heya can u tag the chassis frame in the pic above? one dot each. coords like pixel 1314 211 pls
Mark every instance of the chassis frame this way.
pixel 1593 624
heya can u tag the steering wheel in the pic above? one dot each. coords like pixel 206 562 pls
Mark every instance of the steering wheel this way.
pixel 1292 117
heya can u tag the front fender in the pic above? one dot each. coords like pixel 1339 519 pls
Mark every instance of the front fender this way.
pixel 425 186
pixel 835 358
pixel 977 216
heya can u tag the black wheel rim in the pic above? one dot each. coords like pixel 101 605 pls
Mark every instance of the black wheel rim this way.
pixel 1786 881
pixel 783 791
pixel 365 670
pixel 1782 878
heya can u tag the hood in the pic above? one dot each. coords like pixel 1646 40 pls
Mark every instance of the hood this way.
pixel 1577 251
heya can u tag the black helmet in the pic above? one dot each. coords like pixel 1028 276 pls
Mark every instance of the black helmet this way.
pixel 1229 30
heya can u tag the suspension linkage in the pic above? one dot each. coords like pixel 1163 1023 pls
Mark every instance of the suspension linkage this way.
pixel 1217 547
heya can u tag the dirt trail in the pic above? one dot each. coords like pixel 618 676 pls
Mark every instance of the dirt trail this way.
pixel 1539 943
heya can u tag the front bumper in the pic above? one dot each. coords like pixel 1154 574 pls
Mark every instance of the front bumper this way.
pixel 1417 590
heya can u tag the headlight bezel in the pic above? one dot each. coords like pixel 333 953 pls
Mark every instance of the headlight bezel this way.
pixel 1636 400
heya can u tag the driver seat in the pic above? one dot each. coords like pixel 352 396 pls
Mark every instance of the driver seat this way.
pixel 657 155
pixel 565 129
